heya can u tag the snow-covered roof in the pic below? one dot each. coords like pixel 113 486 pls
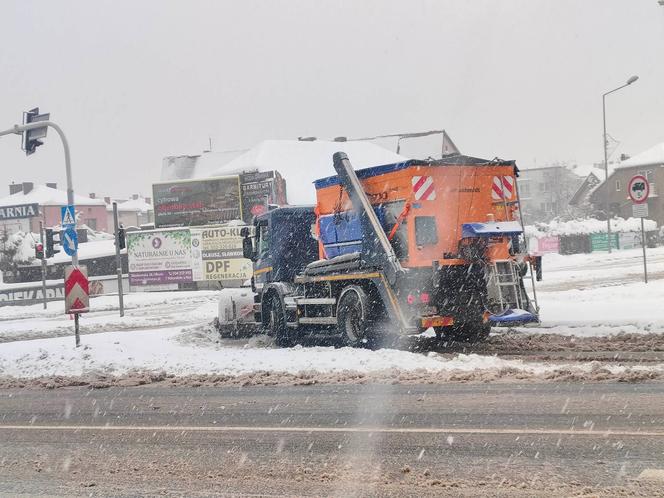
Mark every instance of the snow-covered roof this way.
pixel 302 162
pixel 196 166
pixel 583 170
pixel 47 196
pixel 134 205
pixel 652 156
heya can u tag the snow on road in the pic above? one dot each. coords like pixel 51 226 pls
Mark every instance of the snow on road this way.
pixel 170 333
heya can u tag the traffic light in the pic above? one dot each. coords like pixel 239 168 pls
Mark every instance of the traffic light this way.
pixel 122 241
pixel 31 137
pixel 39 250
pixel 50 243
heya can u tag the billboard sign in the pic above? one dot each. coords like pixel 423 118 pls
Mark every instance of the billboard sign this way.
pixel 260 188
pixel 158 257
pixel 209 201
pixel 217 254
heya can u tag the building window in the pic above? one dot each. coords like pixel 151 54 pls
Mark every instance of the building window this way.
pixel 617 185
pixel 92 223
pixel 524 188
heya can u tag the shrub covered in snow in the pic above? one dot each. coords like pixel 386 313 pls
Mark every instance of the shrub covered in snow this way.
pixel 586 226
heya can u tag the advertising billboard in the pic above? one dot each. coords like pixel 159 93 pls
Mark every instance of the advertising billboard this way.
pixel 159 257
pixel 260 188
pixel 209 201
pixel 217 254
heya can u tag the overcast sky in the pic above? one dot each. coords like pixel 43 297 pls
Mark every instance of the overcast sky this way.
pixel 133 81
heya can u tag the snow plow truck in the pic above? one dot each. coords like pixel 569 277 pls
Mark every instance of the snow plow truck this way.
pixel 394 250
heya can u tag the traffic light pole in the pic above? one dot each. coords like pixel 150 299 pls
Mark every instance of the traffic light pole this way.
pixel 43 263
pixel 118 259
pixel 18 129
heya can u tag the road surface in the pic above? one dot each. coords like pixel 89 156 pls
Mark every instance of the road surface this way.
pixel 359 440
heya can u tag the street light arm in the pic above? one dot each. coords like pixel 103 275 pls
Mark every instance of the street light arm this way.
pixel 629 82
pixel 615 89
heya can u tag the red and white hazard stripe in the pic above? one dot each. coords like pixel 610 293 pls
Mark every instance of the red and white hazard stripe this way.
pixel 502 188
pixel 423 188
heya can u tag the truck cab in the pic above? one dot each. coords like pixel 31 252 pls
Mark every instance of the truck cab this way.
pixel 282 245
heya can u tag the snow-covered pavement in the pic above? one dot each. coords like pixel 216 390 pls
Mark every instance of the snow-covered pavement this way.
pixel 583 295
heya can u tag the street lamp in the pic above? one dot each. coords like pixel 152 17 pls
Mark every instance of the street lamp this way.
pixel 606 160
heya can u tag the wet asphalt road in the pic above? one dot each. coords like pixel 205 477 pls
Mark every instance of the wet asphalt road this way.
pixel 359 440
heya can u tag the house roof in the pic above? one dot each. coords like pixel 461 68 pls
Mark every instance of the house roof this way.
pixel 652 156
pixel 132 205
pixel 47 196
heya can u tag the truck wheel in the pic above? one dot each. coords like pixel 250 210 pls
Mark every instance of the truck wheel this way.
pixel 352 316
pixel 276 324
pixel 466 332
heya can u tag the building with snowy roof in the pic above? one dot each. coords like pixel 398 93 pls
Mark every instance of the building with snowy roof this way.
pixel 300 162
pixel 544 193
pixel 649 164
pixel 27 204
pixel 133 212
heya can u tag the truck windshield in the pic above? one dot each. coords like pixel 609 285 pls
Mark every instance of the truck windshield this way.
pixel 263 240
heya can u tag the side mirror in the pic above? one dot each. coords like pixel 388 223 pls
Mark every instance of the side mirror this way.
pixel 247 247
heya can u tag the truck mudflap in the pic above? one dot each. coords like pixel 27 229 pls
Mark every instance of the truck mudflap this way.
pixel 513 316
pixel 436 321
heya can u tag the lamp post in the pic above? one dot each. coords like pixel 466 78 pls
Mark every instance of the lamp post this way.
pixel 606 161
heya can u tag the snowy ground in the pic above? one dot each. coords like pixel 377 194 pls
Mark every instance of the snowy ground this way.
pixel 169 333
pixel 600 294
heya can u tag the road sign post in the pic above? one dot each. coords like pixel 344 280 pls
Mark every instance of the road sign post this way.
pixel 638 189
pixel 43 264
pixel 77 295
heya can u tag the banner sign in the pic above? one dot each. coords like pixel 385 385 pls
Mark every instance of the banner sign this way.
pixel 217 254
pixel 629 240
pixel 598 241
pixel 19 211
pixel 548 244
pixel 159 257
pixel 197 202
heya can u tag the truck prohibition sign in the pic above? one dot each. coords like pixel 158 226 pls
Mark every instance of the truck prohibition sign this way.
pixel 638 189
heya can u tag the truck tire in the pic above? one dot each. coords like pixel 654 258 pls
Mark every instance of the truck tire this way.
pixel 464 332
pixel 352 317
pixel 276 324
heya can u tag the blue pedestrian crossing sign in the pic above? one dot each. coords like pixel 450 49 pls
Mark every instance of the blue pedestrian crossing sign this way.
pixel 70 241
pixel 68 216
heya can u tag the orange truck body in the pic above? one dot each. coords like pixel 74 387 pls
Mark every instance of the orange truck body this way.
pixel 452 192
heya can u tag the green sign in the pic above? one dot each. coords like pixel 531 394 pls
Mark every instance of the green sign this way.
pixel 598 242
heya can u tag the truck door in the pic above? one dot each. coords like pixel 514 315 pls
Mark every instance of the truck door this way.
pixel 263 265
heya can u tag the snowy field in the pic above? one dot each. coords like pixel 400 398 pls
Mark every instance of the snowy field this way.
pixel 169 333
